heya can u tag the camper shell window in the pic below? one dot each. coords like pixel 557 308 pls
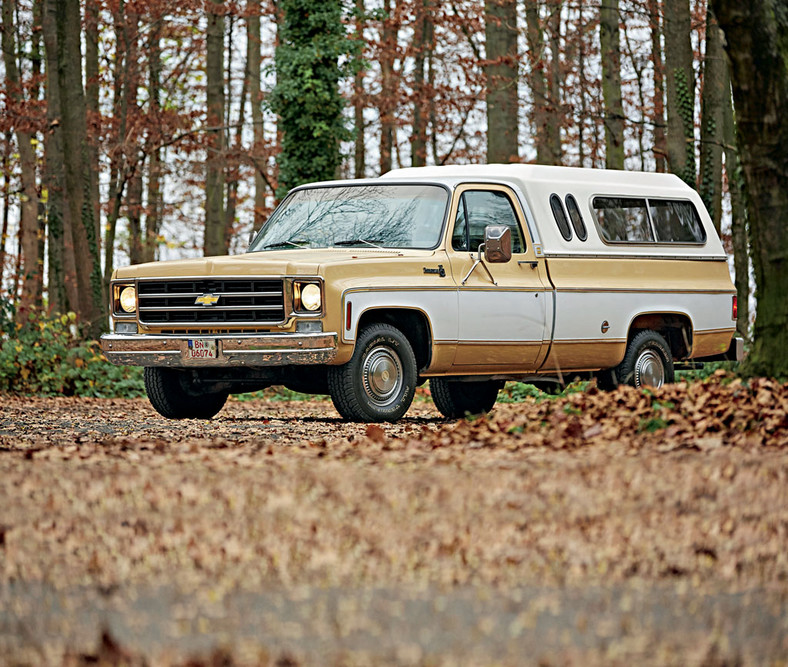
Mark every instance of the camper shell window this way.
pixel 640 220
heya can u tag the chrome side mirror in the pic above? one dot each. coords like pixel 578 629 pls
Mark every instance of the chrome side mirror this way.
pixel 497 244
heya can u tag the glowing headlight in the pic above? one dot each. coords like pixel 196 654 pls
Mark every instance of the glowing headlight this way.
pixel 128 299
pixel 310 297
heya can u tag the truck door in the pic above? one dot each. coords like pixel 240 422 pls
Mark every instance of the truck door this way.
pixel 503 313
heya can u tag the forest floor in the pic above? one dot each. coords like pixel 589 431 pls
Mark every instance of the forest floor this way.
pixel 634 527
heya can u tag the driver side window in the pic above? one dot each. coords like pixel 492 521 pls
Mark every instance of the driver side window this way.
pixel 476 210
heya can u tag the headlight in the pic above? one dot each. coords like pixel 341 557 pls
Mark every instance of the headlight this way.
pixel 128 299
pixel 310 297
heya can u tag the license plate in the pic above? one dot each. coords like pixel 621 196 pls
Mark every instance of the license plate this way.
pixel 201 349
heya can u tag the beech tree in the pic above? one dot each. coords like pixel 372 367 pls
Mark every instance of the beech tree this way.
pixel 758 55
pixel 501 74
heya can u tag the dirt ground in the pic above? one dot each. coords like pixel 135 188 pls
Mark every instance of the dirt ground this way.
pixel 622 528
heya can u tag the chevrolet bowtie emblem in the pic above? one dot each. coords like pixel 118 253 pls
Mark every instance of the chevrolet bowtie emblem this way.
pixel 207 300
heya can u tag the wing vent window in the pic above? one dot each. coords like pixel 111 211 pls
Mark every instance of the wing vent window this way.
pixel 560 217
pixel 576 218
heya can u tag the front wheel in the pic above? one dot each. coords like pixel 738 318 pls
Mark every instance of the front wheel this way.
pixel 648 361
pixel 175 395
pixel 379 381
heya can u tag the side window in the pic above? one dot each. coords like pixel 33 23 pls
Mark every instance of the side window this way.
pixel 577 219
pixel 479 208
pixel 676 221
pixel 623 219
pixel 560 217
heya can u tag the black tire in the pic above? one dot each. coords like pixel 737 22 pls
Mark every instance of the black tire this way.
pixel 457 399
pixel 648 361
pixel 379 381
pixel 173 395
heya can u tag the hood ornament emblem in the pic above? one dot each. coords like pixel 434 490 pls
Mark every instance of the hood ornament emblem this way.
pixel 207 300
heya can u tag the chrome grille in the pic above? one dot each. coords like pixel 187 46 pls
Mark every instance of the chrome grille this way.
pixel 172 302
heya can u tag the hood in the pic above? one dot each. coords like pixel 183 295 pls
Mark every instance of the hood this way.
pixel 271 262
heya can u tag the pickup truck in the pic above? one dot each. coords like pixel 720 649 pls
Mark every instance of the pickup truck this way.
pixel 466 276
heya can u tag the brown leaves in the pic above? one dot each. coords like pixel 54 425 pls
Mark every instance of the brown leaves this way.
pixel 686 481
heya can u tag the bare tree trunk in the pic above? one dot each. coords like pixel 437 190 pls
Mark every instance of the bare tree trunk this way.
pixel 92 9
pixel 423 44
pixel 232 171
pixel 63 288
pixel 214 173
pixel 153 211
pixel 6 204
pixel 555 108
pixel 386 105
pixel 609 36
pixel 31 271
pixel 715 96
pixel 660 147
pixel 118 162
pixel 78 175
pixel 739 233
pixel 359 96
pixel 537 80
pixel 500 27
pixel 681 90
pixel 255 94
pixel 755 42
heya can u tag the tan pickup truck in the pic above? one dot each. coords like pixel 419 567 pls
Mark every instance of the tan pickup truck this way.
pixel 466 275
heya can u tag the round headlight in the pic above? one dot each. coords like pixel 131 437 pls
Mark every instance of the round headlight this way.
pixel 128 299
pixel 310 297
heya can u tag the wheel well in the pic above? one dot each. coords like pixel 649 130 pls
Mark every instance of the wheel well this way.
pixel 412 323
pixel 675 328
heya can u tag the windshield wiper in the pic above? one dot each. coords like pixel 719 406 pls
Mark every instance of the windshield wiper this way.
pixel 286 244
pixel 374 244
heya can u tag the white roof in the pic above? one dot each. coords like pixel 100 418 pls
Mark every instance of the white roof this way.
pixel 534 184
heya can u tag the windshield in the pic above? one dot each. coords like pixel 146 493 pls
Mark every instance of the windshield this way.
pixel 383 216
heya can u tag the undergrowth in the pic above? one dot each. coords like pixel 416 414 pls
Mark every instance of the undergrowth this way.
pixel 45 357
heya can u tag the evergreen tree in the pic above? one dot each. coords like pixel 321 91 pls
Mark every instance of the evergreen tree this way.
pixel 306 97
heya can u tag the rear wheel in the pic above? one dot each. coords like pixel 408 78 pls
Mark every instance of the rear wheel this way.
pixel 379 381
pixel 456 399
pixel 175 395
pixel 648 361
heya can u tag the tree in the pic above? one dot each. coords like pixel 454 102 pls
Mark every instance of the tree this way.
pixel 611 83
pixel 253 59
pixel 714 96
pixel 681 90
pixel 758 53
pixel 78 174
pixel 306 96
pixel 32 271
pixel 544 80
pixel 214 172
pixel 501 74
pixel 660 148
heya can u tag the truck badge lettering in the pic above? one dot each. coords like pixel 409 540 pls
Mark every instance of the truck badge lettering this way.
pixel 207 300
pixel 440 270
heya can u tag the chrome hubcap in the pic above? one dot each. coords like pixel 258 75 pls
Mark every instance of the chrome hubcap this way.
pixel 649 370
pixel 382 375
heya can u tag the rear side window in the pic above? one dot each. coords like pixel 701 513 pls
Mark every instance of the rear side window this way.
pixel 560 217
pixel 623 219
pixel 577 219
pixel 676 221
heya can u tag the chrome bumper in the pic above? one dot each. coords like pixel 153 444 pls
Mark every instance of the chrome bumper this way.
pixel 239 350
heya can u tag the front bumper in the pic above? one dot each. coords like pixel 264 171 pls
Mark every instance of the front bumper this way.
pixel 239 350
